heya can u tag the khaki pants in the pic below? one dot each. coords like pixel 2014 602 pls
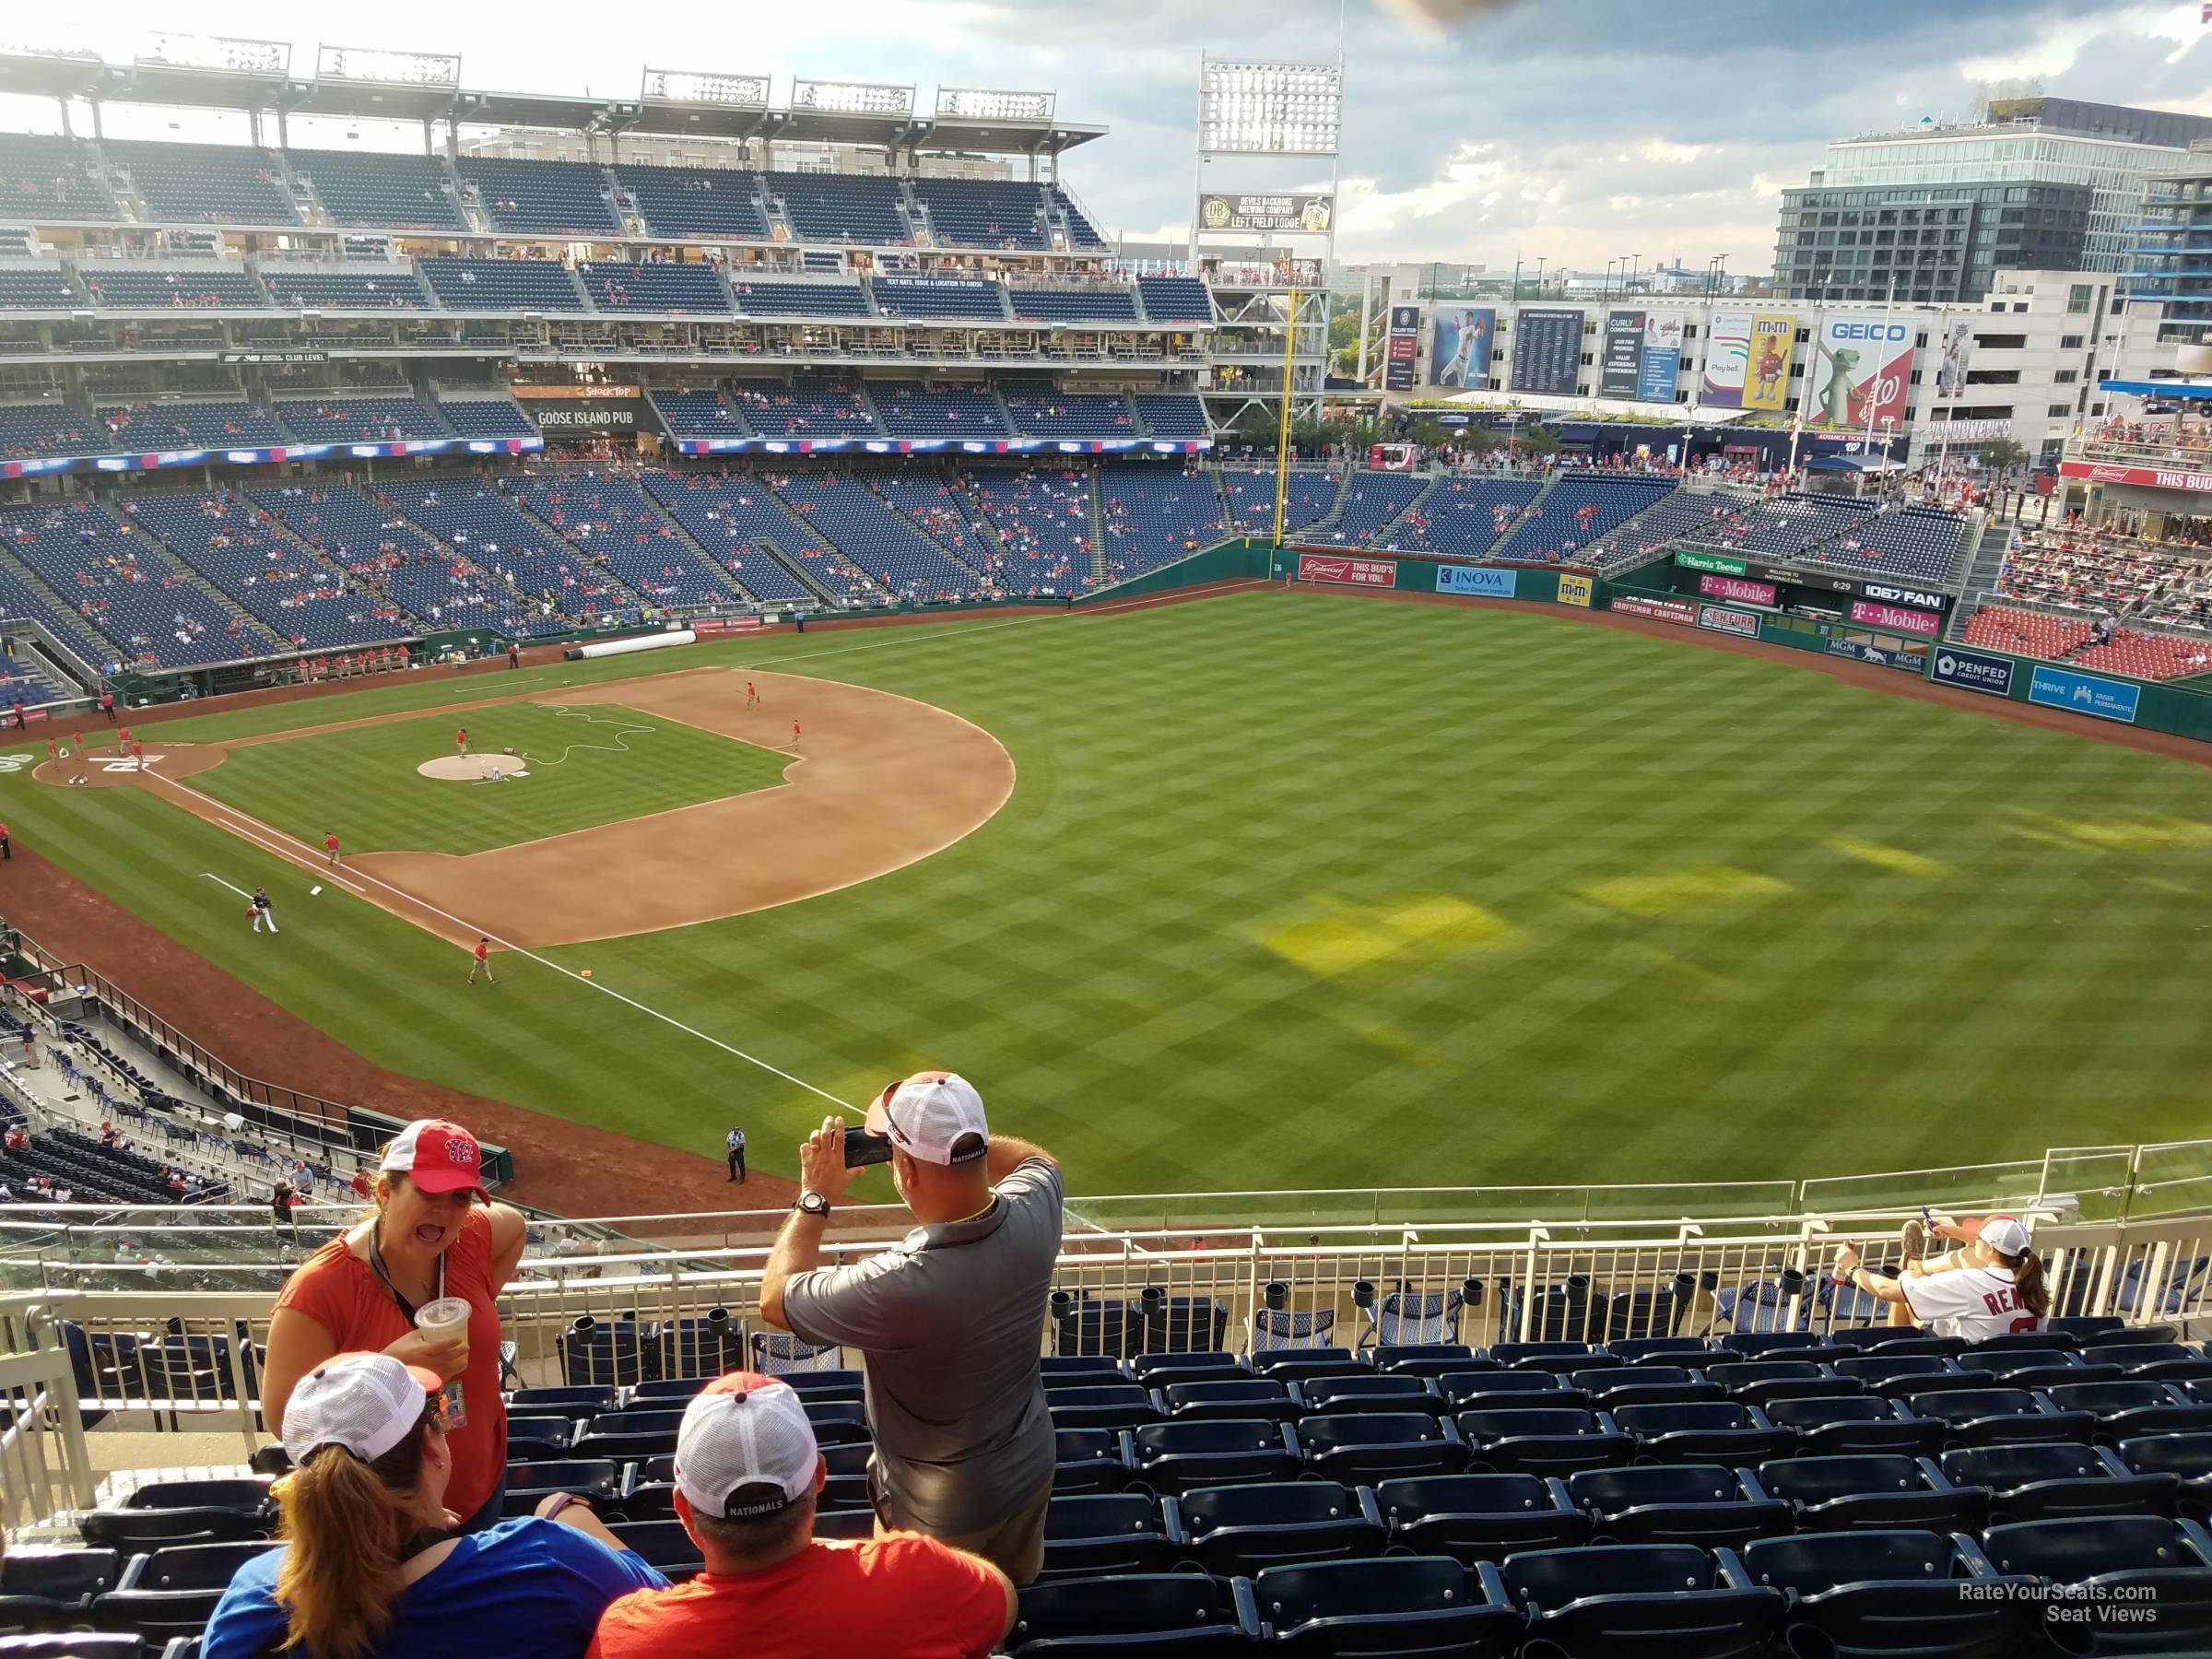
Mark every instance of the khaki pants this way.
pixel 1015 1546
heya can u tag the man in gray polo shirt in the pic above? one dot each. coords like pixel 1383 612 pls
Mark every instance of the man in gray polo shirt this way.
pixel 950 1320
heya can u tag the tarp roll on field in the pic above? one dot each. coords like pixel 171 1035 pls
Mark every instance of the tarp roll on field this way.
pixel 682 636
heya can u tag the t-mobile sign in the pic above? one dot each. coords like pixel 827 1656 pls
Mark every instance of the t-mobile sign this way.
pixel 1735 587
pixel 1896 619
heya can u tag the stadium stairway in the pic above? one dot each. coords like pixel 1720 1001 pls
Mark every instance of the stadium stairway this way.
pixel 306 553
pixel 739 591
pixel 1984 565
pixel 977 525
pixel 1392 529
pixel 620 594
pixel 1098 530
pixel 1535 504
pixel 256 636
pixel 519 603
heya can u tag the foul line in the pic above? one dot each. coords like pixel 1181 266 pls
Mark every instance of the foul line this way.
pixel 250 828
pixel 667 1020
pixel 218 881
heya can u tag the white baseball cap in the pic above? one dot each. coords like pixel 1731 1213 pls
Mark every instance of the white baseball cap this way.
pixel 438 1157
pixel 932 1116
pixel 744 1448
pixel 2003 1234
pixel 365 1403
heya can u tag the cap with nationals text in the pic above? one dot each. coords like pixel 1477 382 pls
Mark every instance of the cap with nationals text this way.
pixel 746 1448
pixel 934 1116
pixel 438 1157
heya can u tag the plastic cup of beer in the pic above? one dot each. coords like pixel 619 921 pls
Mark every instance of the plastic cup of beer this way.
pixel 445 1320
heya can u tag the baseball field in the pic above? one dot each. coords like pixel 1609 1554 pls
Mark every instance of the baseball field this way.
pixel 1271 889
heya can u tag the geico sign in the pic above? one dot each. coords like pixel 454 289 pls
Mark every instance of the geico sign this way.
pixel 1866 330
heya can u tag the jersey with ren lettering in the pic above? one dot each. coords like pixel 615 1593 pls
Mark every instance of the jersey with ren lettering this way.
pixel 1969 1302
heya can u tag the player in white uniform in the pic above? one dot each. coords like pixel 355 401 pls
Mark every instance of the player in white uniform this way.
pixel 1992 1284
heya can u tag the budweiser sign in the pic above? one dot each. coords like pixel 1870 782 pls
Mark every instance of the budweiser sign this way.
pixel 1352 573
pixel 2148 478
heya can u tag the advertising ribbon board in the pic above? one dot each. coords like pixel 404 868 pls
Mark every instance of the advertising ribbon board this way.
pixel 1576 590
pixel 1711 562
pixel 1735 587
pixel 2085 694
pixel 1895 618
pixel 2150 477
pixel 1975 670
pixel 1680 612
pixel 1720 619
pixel 1474 579
pixel 1349 572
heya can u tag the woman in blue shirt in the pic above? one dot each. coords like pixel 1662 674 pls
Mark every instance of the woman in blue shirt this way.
pixel 369 1568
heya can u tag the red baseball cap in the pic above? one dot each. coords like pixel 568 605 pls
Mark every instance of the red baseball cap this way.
pixel 438 1157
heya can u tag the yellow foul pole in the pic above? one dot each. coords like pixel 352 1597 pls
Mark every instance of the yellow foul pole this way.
pixel 1282 437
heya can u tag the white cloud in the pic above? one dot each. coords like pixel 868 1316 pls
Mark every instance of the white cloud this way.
pixel 1676 155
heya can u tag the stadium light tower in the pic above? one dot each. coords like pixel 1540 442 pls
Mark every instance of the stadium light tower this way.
pixel 1268 115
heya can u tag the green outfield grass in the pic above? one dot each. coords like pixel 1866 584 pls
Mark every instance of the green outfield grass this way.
pixel 593 764
pixel 1306 890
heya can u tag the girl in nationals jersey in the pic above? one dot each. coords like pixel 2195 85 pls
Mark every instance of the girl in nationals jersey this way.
pixel 1992 1284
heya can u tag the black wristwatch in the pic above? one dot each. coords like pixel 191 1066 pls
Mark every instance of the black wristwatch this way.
pixel 812 1203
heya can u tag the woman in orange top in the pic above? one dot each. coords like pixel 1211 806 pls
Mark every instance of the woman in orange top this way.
pixel 435 1234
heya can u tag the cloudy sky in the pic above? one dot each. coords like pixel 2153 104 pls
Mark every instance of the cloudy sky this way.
pixel 1476 131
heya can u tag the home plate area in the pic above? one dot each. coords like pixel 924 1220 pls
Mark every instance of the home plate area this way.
pixel 478 768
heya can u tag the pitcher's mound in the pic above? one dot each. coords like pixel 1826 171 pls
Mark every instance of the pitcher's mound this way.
pixel 473 768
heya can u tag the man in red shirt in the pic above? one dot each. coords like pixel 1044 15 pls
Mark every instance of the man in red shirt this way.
pixel 482 963
pixel 461 739
pixel 329 845
pixel 107 706
pixel 123 741
pixel 746 1477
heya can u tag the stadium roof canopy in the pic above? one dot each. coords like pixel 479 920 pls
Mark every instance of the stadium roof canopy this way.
pixel 984 123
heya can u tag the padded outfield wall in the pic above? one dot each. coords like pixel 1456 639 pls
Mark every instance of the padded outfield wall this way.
pixel 1678 595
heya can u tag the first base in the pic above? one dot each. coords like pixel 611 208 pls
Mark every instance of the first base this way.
pixel 313 891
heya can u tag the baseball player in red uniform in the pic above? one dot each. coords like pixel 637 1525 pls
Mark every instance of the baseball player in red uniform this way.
pixel 138 754
pixel 123 741
pixel 461 739
pixel 53 753
pixel 794 734
pixel 329 845
pixel 752 697
pixel 483 961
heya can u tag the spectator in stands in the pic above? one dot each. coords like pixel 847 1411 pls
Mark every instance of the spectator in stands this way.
pixel 747 1476
pixel 948 1319
pixel 434 1234
pixel 370 1565
pixel 1992 1284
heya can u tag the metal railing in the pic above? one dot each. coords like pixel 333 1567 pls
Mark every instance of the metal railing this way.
pixel 44 1467
pixel 180 1356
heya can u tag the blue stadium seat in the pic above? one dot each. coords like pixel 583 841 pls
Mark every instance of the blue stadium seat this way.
pixel 939 412
pixel 2187 1457
pixel 2052 1480
pixel 1233 1396
pixel 1830 1425
pixel 38 287
pixel 668 288
pixel 1636 1350
pixel 1086 304
pixel 1179 1324
pixel 1094 1533
pixel 1415 1604
pixel 1160 1369
pixel 1082 1327
pixel 45 1588
pixel 1981 1417
pixel 1404 1318
pixel 1375 1392
pixel 1103 1406
pixel 1756 1381
pixel 2161 1361
pixel 1705 1504
pixel 206 184
pixel 1171 1457
pixel 2119 1567
pixel 397 191
pixel 1704 1432
pixel 588 1477
pixel 536 1439
pixel 466 283
pixel 1060 1370
pixel 1434 1360
pixel 172 1590
pixel 1900 1592
pixel 1175 299
pixel 1546 1440
pixel 662 1543
pixel 1838 1493
pixel 83 1644
pixel 721 203
pixel 744 530
pixel 1461 517
pixel 1310 496
pixel 115 284
pixel 2127 1409
pixel 841 208
pixel 541 198
pixel 1003 215
pixel 1240 1530
pixel 1483 1517
pixel 1671 1599
pixel 585 1399
pixel 1609 1390
pixel 964 300
pixel 1161 1615
pixel 1169 415
pixel 1359 1449
pixel 1088 1460
pixel 1372 501
pixel 1303 1364
pixel 822 298
pixel 49 179
pixel 344 287
pixel 1579 508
